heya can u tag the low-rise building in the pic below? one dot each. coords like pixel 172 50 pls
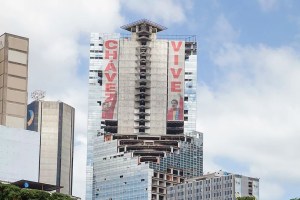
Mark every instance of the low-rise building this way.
pixel 19 154
pixel 219 185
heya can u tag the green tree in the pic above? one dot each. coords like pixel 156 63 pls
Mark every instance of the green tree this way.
pixel 9 192
pixel 246 198
pixel 12 192
pixel 28 194
pixel 59 196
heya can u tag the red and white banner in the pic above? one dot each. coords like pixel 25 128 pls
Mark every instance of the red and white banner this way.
pixel 110 79
pixel 176 80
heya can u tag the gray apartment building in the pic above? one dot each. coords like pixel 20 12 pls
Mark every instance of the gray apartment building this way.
pixel 54 121
pixel 215 186
pixel 13 80
pixel 142 113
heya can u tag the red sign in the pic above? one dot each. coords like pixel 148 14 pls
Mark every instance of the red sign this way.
pixel 176 80
pixel 110 78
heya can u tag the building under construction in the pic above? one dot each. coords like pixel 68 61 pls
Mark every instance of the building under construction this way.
pixel 142 113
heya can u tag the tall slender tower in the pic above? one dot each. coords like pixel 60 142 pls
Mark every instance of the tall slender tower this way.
pixel 54 120
pixel 13 80
pixel 142 106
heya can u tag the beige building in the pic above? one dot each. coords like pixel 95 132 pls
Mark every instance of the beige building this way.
pixel 54 120
pixel 13 80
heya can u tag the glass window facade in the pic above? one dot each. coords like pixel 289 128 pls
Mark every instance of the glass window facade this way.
pixel 122 174
pixel 219 185
pixel 190 93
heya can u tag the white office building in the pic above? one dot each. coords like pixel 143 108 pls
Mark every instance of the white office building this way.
pixel 19 154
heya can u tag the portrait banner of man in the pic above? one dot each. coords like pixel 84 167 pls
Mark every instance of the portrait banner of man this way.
pixel 176 110
pixel 176 81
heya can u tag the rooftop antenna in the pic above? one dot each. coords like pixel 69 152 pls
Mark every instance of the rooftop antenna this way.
pixel 38 95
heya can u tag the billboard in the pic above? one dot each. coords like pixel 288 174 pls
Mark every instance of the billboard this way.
pixel 110 78
pixel 33 116
pixel 176 80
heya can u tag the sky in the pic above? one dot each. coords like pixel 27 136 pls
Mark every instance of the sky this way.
pixel 248 74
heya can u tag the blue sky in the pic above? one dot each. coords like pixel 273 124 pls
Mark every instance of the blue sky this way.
pixel 248 74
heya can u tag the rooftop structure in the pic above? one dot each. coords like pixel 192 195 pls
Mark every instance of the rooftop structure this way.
pixel 142 25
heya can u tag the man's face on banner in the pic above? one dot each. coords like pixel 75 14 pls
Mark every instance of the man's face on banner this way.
pixel 174 103
pixel 106 106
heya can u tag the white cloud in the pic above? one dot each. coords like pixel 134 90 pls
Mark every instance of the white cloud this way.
pixel 223 31
pixel 167 11
pixel 251 116
pixel 271 190
pixel 268 5
pixel 59 43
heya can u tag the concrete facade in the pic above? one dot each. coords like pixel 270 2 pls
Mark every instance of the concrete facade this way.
pixel 55 122
pixel 13 80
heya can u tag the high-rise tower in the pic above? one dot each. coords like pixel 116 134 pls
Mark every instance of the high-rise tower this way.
pixel 13 80
pixel 54 121
pixel 142 105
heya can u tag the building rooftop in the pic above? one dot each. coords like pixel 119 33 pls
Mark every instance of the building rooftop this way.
pixel 36 185
pixel 218 174
pixel 143 21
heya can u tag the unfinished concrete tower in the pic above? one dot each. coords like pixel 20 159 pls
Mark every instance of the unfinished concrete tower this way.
pixel 142 113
